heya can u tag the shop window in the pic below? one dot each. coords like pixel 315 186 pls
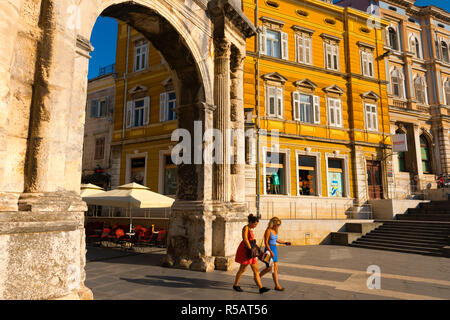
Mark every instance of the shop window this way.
pixel 335 178
pixel 307 176
pixel 170 176
pixel 138 170
pixel 402 161
pixel 275 173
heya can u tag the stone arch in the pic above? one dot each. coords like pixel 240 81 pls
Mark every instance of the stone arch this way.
pixel 51 210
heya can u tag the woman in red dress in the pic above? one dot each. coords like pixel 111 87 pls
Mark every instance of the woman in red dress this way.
pixel 243 255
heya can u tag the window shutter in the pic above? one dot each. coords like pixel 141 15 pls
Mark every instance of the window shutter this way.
pixel 129 117
pixel 146 111
pixel 298 43
pixel 94 108
pixel 262 41
pixel 284 46
pixel 280 101
pixel 338 105
pixel 308 56
pixel 163 107
pixel 316 109
pixel 296 105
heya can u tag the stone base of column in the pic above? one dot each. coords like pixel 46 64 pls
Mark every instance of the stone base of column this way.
pixel 203 236
pixel 8 201
pixel 42 248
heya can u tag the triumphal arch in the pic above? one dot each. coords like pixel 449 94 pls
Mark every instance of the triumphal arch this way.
pixel 44 56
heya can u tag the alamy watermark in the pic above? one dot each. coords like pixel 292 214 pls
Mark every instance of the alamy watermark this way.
pixel 374 280
pixel 208 146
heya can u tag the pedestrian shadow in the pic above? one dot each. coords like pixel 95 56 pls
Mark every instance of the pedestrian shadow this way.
pixel 181 282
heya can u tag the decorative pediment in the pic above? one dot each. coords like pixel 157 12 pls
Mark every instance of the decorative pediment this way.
pixel 167 82
pixel 370 95
pixel 274 76
pixel 305 83
pixel 137 89
pixel 334 89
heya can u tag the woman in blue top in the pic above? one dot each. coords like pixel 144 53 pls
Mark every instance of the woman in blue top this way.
pixel 271 240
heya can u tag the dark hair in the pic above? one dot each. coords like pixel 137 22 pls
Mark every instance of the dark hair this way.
pixel 252 218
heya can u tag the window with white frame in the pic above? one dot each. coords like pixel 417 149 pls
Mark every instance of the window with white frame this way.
pixel 334 112
pixel 332 55
pixel 274 101
pixel 371 111
pixel 367 63
pixel 168 101
pixel 274 43
pixel 420 89
pixel 98 108
pixel 140 55
pixel 397 83
pixel 306 107
pixel 307 175
pixel 304 48
pixel 138 112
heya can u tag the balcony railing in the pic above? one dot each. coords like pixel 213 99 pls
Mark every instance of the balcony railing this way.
pixel 399 104
pixel 107 70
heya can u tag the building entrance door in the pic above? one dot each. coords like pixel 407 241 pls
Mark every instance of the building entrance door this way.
pixel 374 179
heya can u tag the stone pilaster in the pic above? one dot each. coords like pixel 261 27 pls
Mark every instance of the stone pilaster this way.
pixel 417 156
pixel 10 12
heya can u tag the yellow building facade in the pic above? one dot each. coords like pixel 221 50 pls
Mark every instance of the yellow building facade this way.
pixel 315 75
pixel 144 116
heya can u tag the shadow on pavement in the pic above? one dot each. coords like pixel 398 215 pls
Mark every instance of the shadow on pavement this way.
pixel 98 254
pixel 181 282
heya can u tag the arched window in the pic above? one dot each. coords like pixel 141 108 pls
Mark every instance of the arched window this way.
pixel 425 153
pixel 420 89
pixel 393 38
pixel 444 50
pixel 447 91
pixel 397 83
pixel 415 46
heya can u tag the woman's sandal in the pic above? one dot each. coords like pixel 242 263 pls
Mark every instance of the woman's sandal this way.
pixel 279 289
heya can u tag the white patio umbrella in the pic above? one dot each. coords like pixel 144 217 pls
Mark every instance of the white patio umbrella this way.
pixel 130 196
pixel 90 189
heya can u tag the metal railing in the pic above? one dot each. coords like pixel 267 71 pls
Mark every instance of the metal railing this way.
pixel 298 210
pixel 107 70
pixel 122 213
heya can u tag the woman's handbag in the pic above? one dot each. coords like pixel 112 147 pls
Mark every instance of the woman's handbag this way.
pixel 255 251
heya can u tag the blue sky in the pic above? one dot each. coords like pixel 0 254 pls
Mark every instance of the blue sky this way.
pixel 104 41
pixel 104 38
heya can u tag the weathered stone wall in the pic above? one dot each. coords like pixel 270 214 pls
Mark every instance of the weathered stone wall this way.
pixel 43 71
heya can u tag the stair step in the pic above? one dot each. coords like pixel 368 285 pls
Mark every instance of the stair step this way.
pixel 415 228
pixel 413 235
pixel 404 242
pixel 410 239
pixel 394 245
pixel 410 232
pixel 387 248
pixel 417 223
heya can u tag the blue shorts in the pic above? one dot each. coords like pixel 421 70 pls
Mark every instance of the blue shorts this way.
pixel 275 254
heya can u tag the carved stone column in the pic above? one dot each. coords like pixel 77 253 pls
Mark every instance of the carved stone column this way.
pixel 190 226
pixel 222 186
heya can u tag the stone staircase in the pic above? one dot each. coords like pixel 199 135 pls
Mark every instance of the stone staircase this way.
pixel 423 230
pixel 421 237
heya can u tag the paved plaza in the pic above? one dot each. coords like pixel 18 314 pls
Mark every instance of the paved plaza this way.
pixel 309 272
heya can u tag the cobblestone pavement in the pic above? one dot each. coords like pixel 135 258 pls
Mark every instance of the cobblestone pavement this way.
pixel 310 272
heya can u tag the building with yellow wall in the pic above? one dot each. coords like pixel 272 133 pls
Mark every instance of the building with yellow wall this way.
pixel 315 75
pixel 144 116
